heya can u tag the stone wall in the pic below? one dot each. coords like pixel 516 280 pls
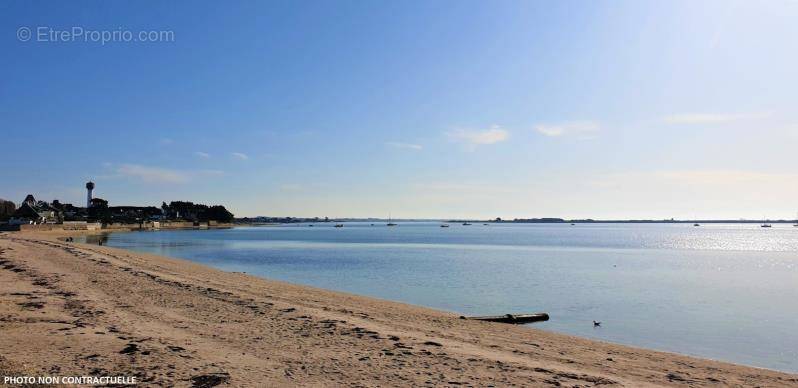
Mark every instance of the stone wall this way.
pixel 68 225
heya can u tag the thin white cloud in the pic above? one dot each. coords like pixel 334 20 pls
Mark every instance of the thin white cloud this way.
pixel 473 138
pixel 742 180
pixel 453 189
pixel 582 129
pixel 409 146
pixel 210 172
pixel 291 187
pixel 712 118
pixel 239 156
pixel 153 174
pixel 718 177
pixel 203 155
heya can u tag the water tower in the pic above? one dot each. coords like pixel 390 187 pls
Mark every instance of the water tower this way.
pixel 89 188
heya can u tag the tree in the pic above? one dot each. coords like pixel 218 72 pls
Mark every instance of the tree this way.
pixel 196 212
pixel 218 213
pixel 7 209
pixel 99 202
pixel 99 211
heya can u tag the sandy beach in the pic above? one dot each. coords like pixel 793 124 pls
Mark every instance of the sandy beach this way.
pixel 75 309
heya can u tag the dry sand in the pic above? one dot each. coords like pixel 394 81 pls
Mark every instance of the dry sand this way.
pixel 74 309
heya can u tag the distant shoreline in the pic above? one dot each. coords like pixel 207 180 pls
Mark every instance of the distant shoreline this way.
pixel 292 220
pixel 648 222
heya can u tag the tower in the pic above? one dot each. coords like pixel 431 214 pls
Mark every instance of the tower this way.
pixel 89 188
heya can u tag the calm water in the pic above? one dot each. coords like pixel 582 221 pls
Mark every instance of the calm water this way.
pixel 727 292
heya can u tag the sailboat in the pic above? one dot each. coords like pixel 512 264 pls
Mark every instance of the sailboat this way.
pixel 765 224
pixel 796 220
pixel 390 223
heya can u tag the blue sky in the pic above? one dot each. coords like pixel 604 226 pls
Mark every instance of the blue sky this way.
pixel 604 109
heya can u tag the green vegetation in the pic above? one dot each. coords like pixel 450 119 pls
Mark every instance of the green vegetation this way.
pixel 6 209
pixel 196 212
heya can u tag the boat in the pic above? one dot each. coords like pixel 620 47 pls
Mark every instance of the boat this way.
pixel 466 224
pixel 339 225
pixel 796 220
pixel 696 224
pixel 390 223
pixel 444 226
pixel 765 224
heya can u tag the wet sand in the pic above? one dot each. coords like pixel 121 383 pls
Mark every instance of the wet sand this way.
pixel 76 309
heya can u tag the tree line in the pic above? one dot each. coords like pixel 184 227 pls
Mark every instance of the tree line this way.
pixel 196 212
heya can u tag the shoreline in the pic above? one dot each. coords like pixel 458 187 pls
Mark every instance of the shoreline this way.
pixel 171 321
pixel 444 310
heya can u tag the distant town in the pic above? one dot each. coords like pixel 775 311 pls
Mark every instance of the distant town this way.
pixel 97 211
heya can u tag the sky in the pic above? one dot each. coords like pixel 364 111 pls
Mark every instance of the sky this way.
pixel 418 109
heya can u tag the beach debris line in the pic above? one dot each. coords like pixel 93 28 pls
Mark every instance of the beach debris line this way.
pixel 512 318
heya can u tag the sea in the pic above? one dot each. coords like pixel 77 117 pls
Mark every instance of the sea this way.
pixel 720 291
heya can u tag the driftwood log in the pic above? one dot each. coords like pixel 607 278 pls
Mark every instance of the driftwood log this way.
pixel 512 318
